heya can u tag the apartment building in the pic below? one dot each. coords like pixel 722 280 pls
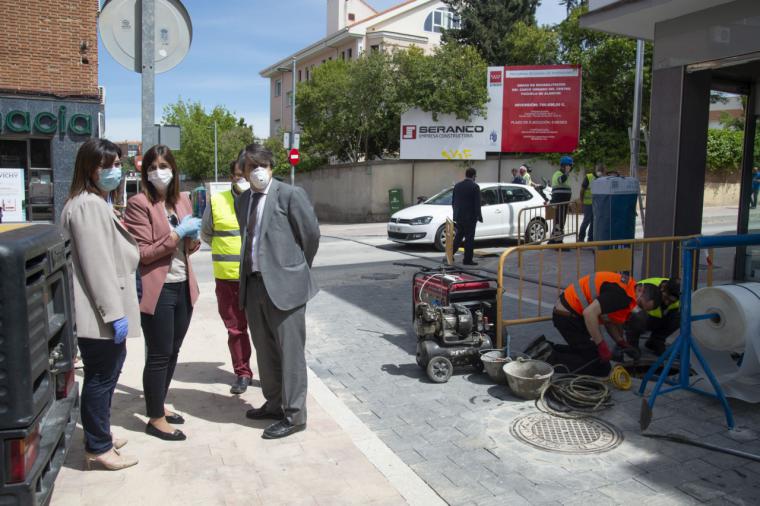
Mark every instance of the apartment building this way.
pixel 353 27
pixel 49 101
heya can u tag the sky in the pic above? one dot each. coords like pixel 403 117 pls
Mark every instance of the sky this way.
pixel 233 40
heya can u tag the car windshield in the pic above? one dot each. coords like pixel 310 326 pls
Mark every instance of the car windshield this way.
pixel 442 199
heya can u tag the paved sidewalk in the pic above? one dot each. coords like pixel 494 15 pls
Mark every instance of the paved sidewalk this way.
pixel 224 461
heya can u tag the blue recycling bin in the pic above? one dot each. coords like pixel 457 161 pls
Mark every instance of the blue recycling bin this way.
pixel 614 204
pixel 199 201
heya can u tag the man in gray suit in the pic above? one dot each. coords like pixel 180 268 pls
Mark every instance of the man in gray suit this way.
pixel 280 236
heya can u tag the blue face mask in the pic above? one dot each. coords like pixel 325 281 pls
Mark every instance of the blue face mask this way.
pixel 109 178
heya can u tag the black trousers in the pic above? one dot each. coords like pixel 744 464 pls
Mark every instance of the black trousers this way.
pixel 164 332
pixel 466 233
pixel 560 216
pixel 579 354
pixel 103 360
pixel 660 329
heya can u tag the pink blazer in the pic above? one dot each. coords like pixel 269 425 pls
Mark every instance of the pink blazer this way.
pixel 148 224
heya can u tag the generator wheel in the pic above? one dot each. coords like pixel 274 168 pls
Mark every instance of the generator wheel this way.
pixel 439 369
pixel 419 360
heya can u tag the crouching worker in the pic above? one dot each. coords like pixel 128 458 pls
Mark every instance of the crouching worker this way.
pixel 602 298
pixel 661 321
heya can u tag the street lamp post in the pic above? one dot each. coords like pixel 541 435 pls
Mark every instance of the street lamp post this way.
pixel 216 157
pixel 291 142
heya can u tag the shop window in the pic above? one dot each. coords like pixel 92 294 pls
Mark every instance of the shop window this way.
pixel 39 150
pixel 12 154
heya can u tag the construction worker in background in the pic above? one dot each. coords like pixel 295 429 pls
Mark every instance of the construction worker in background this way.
pixel 602 298
pixel 588 208
pixel 561 193
pixel 525 174
pixel 220 229
pixel 662 321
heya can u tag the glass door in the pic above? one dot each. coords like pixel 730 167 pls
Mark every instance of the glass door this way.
pixel 752 259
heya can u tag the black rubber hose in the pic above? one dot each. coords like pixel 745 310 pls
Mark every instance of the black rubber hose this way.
pixel 684 440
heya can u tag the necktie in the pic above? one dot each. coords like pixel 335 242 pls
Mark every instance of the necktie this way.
pixel 251 229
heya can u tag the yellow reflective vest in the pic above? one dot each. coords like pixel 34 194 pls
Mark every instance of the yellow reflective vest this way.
pixel 587 198
pixel 225 243
pixel 658 311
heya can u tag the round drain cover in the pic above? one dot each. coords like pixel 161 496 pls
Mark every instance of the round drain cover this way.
pixel 565 435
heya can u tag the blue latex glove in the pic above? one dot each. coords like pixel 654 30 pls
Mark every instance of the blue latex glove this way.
pixel 188 227
pixel 120 329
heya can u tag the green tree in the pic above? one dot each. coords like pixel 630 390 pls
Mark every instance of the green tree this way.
pixel 724 150
pixel 529 44
pixel 196 156
pixel 484 23
pixel 352 110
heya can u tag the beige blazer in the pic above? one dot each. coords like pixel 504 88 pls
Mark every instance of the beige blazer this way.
pixel 105 258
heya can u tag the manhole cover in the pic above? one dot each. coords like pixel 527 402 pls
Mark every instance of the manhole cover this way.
pixel 380 276
pixel 565 435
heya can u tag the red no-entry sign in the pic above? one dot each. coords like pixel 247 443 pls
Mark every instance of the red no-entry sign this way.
pixel 294 156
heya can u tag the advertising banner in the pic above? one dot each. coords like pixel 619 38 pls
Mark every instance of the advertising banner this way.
pixel 541 109
pixel 12 195
pixel 448 138
pixel 531 109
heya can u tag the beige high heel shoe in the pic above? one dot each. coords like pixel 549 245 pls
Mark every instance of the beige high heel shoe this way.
pixel 111 460
pixel 118 442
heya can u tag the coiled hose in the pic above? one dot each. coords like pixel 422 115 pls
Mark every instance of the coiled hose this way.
pixel 578 395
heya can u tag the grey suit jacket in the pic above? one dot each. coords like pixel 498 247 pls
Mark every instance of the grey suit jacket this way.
pixel 288 242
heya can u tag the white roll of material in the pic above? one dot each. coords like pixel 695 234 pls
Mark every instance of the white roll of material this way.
pixel 738 310
pixel 736 330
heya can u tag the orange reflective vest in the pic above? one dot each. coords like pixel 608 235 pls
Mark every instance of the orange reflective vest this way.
pixel 589 286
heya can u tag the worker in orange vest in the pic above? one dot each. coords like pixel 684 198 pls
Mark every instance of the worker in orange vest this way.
pixel 601 299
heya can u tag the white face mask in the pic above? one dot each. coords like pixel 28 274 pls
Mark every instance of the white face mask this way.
pixel 241 185
pixel 260 178
pixel 160 178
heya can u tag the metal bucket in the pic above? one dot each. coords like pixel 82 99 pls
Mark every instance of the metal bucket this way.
pixel 493 363
pixel 526 378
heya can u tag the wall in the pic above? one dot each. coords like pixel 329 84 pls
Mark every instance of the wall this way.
pixel 359 193
pixel 40 42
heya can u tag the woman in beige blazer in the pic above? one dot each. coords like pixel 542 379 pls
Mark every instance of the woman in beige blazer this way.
pixel 105 258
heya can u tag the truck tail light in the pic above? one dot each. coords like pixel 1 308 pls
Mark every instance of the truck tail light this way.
pixel 64 382
pixel 21 455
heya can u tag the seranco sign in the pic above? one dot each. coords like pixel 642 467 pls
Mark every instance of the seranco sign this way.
pixel 531 109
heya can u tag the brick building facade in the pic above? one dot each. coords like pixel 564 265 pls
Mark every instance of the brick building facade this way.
pixel 49 101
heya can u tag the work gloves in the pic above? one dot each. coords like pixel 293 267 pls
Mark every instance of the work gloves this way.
pixel 188 227
pixel 604 351
pixel 120 330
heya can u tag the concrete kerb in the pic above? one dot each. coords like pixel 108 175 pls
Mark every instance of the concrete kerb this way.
pixel 414 490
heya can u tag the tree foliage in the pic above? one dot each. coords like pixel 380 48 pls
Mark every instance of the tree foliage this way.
pixel 724 150
pixel 196 156
pixel 484 23
pixel 351 110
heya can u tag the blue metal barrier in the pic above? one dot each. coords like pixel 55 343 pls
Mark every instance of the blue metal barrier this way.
pixel 684 344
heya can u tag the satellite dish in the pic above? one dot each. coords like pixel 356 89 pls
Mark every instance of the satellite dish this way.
pixel 121 38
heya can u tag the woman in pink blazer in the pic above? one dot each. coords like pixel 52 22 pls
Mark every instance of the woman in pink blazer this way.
pixel 160 219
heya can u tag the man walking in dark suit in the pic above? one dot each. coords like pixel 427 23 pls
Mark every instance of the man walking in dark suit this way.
pixel 466 204
pixel 280 236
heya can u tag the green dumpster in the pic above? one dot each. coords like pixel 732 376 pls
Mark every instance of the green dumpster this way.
pixel 395 200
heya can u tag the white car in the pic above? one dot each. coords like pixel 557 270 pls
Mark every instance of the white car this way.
pixel 500 206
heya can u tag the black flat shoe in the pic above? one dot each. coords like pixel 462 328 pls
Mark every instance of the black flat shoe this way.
pixel 177 435
pixel 283 428
pixel 264 413
pixel 469 263
pixel 240 385
pixel 175 419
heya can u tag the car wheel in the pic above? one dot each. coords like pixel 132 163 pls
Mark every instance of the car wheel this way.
pixel 440 237
pixel 536 230
pixel 439 369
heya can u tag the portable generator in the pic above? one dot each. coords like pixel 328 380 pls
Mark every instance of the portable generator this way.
pixel 453 312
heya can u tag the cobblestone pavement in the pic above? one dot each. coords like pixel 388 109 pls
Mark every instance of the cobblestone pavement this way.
pixel 456 435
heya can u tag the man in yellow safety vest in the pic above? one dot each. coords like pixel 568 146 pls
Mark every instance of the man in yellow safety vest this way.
pixel 588 210
pixel 561 194
pixel 220 229
pixel 661 321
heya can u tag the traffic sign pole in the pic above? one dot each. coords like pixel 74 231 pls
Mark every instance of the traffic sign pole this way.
pixel 147 61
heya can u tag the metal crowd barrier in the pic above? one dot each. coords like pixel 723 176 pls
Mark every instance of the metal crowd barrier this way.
pixel 642 258
pixel 530 217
